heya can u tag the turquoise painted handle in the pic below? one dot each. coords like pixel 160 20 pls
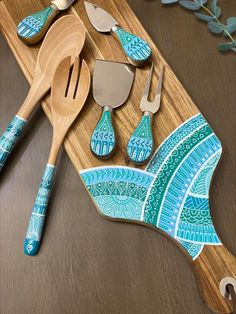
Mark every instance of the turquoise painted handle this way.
pixel 32 28
pixel 10 137
pixel 37 219
pixel 136 49
pixel 103 139
pixel 140 146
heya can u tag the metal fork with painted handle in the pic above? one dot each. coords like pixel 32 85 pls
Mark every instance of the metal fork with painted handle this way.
pixel 69 93
pixel 33 28
pixel 140 145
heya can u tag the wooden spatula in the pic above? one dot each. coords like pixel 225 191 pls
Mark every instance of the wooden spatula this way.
pixel 65 38
pixel 69 93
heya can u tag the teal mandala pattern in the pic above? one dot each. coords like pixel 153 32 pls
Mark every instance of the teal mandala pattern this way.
pixel 134 47
pixel 32 25
pixel 172 194
pixel 103 138
pixel 35 228
pixel 119 192
pixel 10 138
pixel 140 146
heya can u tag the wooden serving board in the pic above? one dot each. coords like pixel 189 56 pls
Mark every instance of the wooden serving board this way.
pixel 187 145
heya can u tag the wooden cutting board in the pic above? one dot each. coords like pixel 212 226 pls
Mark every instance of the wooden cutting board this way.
pixel 187 145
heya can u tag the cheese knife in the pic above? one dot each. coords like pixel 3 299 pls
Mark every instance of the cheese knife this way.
pixel 112 82
pixel 136 49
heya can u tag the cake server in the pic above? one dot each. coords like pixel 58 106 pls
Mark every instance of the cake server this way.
pixel 33 28
pixel 136 49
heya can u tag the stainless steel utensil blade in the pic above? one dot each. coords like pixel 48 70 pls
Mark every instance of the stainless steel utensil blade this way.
pixel 112 82
pixel 99 18
pixel 62 4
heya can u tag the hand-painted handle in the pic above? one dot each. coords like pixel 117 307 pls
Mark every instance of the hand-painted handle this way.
pixel 137 50
pixel 10 138
pixel 32 28
pixel 140 146
pixel 36 223
pixel 103 139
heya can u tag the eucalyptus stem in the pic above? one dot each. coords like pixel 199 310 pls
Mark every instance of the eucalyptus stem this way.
pixel 217 21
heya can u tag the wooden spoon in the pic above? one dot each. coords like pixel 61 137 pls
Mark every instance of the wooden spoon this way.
pixel 69 93
pixel 65 38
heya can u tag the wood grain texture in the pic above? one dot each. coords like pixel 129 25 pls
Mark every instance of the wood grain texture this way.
pixel 182 303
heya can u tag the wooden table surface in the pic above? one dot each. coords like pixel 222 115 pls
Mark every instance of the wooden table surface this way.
pixel 86 263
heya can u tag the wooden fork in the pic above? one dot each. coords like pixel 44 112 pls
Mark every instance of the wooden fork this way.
pixel 70 89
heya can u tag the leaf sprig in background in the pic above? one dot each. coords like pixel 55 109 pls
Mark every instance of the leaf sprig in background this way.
pixel 211 14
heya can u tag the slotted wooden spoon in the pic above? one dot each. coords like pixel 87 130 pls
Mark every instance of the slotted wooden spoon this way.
pixel 65 38
pixel 69 93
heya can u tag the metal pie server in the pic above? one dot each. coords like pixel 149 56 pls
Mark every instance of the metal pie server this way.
pixel 112 83
pixel 136 49
pixel 33 28
pixel 140 146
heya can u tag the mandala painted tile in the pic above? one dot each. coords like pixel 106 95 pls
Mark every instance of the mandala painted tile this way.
pixel 172 194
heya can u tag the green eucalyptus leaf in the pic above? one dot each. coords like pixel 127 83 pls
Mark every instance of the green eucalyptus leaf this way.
pixel 204 17
pixel 213 5
pixel 215 9
pixel 201 1
pixel 190 5
pixel 226 46
pixel 216 28
pixel 231 20
pixel 168 1
pixel 231 25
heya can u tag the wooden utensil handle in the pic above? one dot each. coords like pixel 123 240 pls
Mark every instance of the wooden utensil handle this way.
pixel 33 28
pixel 103 139
pixel 140 145
pixel 37 219
pixel 136 49
pixel 212 266
pixel 10 137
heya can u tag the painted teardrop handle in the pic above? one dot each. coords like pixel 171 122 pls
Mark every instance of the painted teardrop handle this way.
pixel 140 146
pixel 103 139
pixel 137 49
pixel 10 137
pixel 213 265
pixel 37 219
pixel 33 28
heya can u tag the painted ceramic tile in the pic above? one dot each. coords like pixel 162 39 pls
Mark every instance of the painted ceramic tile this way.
pixel 172 194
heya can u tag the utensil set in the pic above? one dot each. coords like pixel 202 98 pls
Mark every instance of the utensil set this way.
pixel 59 66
